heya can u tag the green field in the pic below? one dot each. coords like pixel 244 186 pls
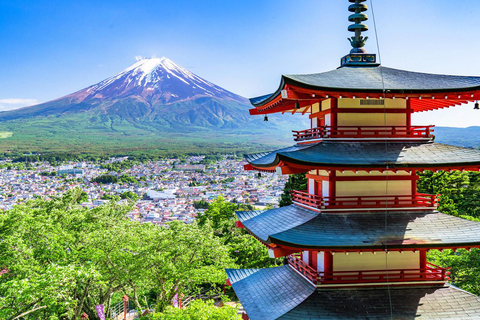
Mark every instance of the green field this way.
pixel 5 134
pixel 76 134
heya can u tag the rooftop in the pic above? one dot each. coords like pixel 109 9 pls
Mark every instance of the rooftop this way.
pixel 294 226
pixel 370 155
pixel 281 293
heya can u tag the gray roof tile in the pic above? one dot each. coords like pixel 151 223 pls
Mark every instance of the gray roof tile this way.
pixel 365 154
pixel 298 227
pixel 280 293
pixel 446 302
pixel 369 79
pixel 270 293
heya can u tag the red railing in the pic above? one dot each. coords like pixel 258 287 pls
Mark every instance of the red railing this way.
pixel 430 273
pixel 376 132
pixel 306 198
pixel 303 268
pixel 419 200
pixel 416 200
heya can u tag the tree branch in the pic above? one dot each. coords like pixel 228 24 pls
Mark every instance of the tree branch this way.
pixel 28 312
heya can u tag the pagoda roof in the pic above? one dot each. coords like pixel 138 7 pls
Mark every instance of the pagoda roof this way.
pixel 297 227
pixel 345 155
pixel 281 293
pixel 368 79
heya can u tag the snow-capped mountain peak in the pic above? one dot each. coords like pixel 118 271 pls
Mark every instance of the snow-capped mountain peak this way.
pixel 161 79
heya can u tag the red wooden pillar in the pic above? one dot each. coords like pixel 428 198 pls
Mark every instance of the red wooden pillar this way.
pixel 125 300
pixel 313 259
pixel 423 262
pixel 334 117
pixel 328 265
pixel 332 184
pixel 409 114
pixel 318 187
pixel 414 182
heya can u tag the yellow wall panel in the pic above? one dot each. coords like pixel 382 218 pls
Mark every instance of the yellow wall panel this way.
pixel 369 261
pixel 326 104
pixel 389 103
pixel 372 119
pixel 372 188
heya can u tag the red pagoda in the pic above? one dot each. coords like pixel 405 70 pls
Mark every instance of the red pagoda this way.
pixel 355 243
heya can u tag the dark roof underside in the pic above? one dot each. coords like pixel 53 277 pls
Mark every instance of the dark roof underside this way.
pixel 280 293
pixel 370 155
pixel 294 226
pixel 369 79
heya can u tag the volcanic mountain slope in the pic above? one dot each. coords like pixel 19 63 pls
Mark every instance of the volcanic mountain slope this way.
pixel 152 101
pixel 156 92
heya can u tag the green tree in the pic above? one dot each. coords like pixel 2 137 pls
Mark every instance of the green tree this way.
pixel 246 251
pixel 63 259
pixel 197 310
pixel 295 182
pixel 201 204
pixel 129 195
pixel 128 179
pixel 82 197
pixel 105 179
pixel 465 267
pixel 182 258
pixel 107 196
pixel 459 196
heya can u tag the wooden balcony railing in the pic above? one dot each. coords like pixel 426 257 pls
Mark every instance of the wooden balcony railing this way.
pixel 296 262
pixel 374 132
pixel 419 200
pixel 306 198
pixel 430 273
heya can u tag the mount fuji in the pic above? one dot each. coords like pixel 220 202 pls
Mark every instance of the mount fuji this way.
pixel 154 101
pixel 153 89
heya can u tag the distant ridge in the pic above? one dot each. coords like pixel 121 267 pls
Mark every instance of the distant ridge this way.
pixel 465 137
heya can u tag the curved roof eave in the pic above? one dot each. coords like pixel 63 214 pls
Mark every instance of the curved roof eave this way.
pixel 371 155
pixel 375 80
pixel 261 100
pixel 296 227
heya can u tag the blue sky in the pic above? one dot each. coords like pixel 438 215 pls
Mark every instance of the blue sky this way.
pixel 52 48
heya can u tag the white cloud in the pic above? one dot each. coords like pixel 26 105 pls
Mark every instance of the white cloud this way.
pixel 15 103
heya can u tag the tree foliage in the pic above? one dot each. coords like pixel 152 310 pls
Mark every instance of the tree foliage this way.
pixel 63 259
pixel 201 204
pixel 105 179
pixel 295 182
pixel 197 310
pixel 129 195
pixel 459 196
pixel 458 191
pixel 246 251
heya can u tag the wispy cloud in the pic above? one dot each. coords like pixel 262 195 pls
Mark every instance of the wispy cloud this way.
pixel 15 103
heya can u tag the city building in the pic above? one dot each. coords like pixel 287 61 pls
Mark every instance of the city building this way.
pixel 355 243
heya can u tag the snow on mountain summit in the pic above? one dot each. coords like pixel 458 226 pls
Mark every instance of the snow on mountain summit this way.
pixel 158 78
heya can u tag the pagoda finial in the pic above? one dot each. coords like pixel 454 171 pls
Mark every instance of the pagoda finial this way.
pixel 358 56
pixel 358 41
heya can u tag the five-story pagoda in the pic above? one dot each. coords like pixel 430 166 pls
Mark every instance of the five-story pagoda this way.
pixel 356 241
